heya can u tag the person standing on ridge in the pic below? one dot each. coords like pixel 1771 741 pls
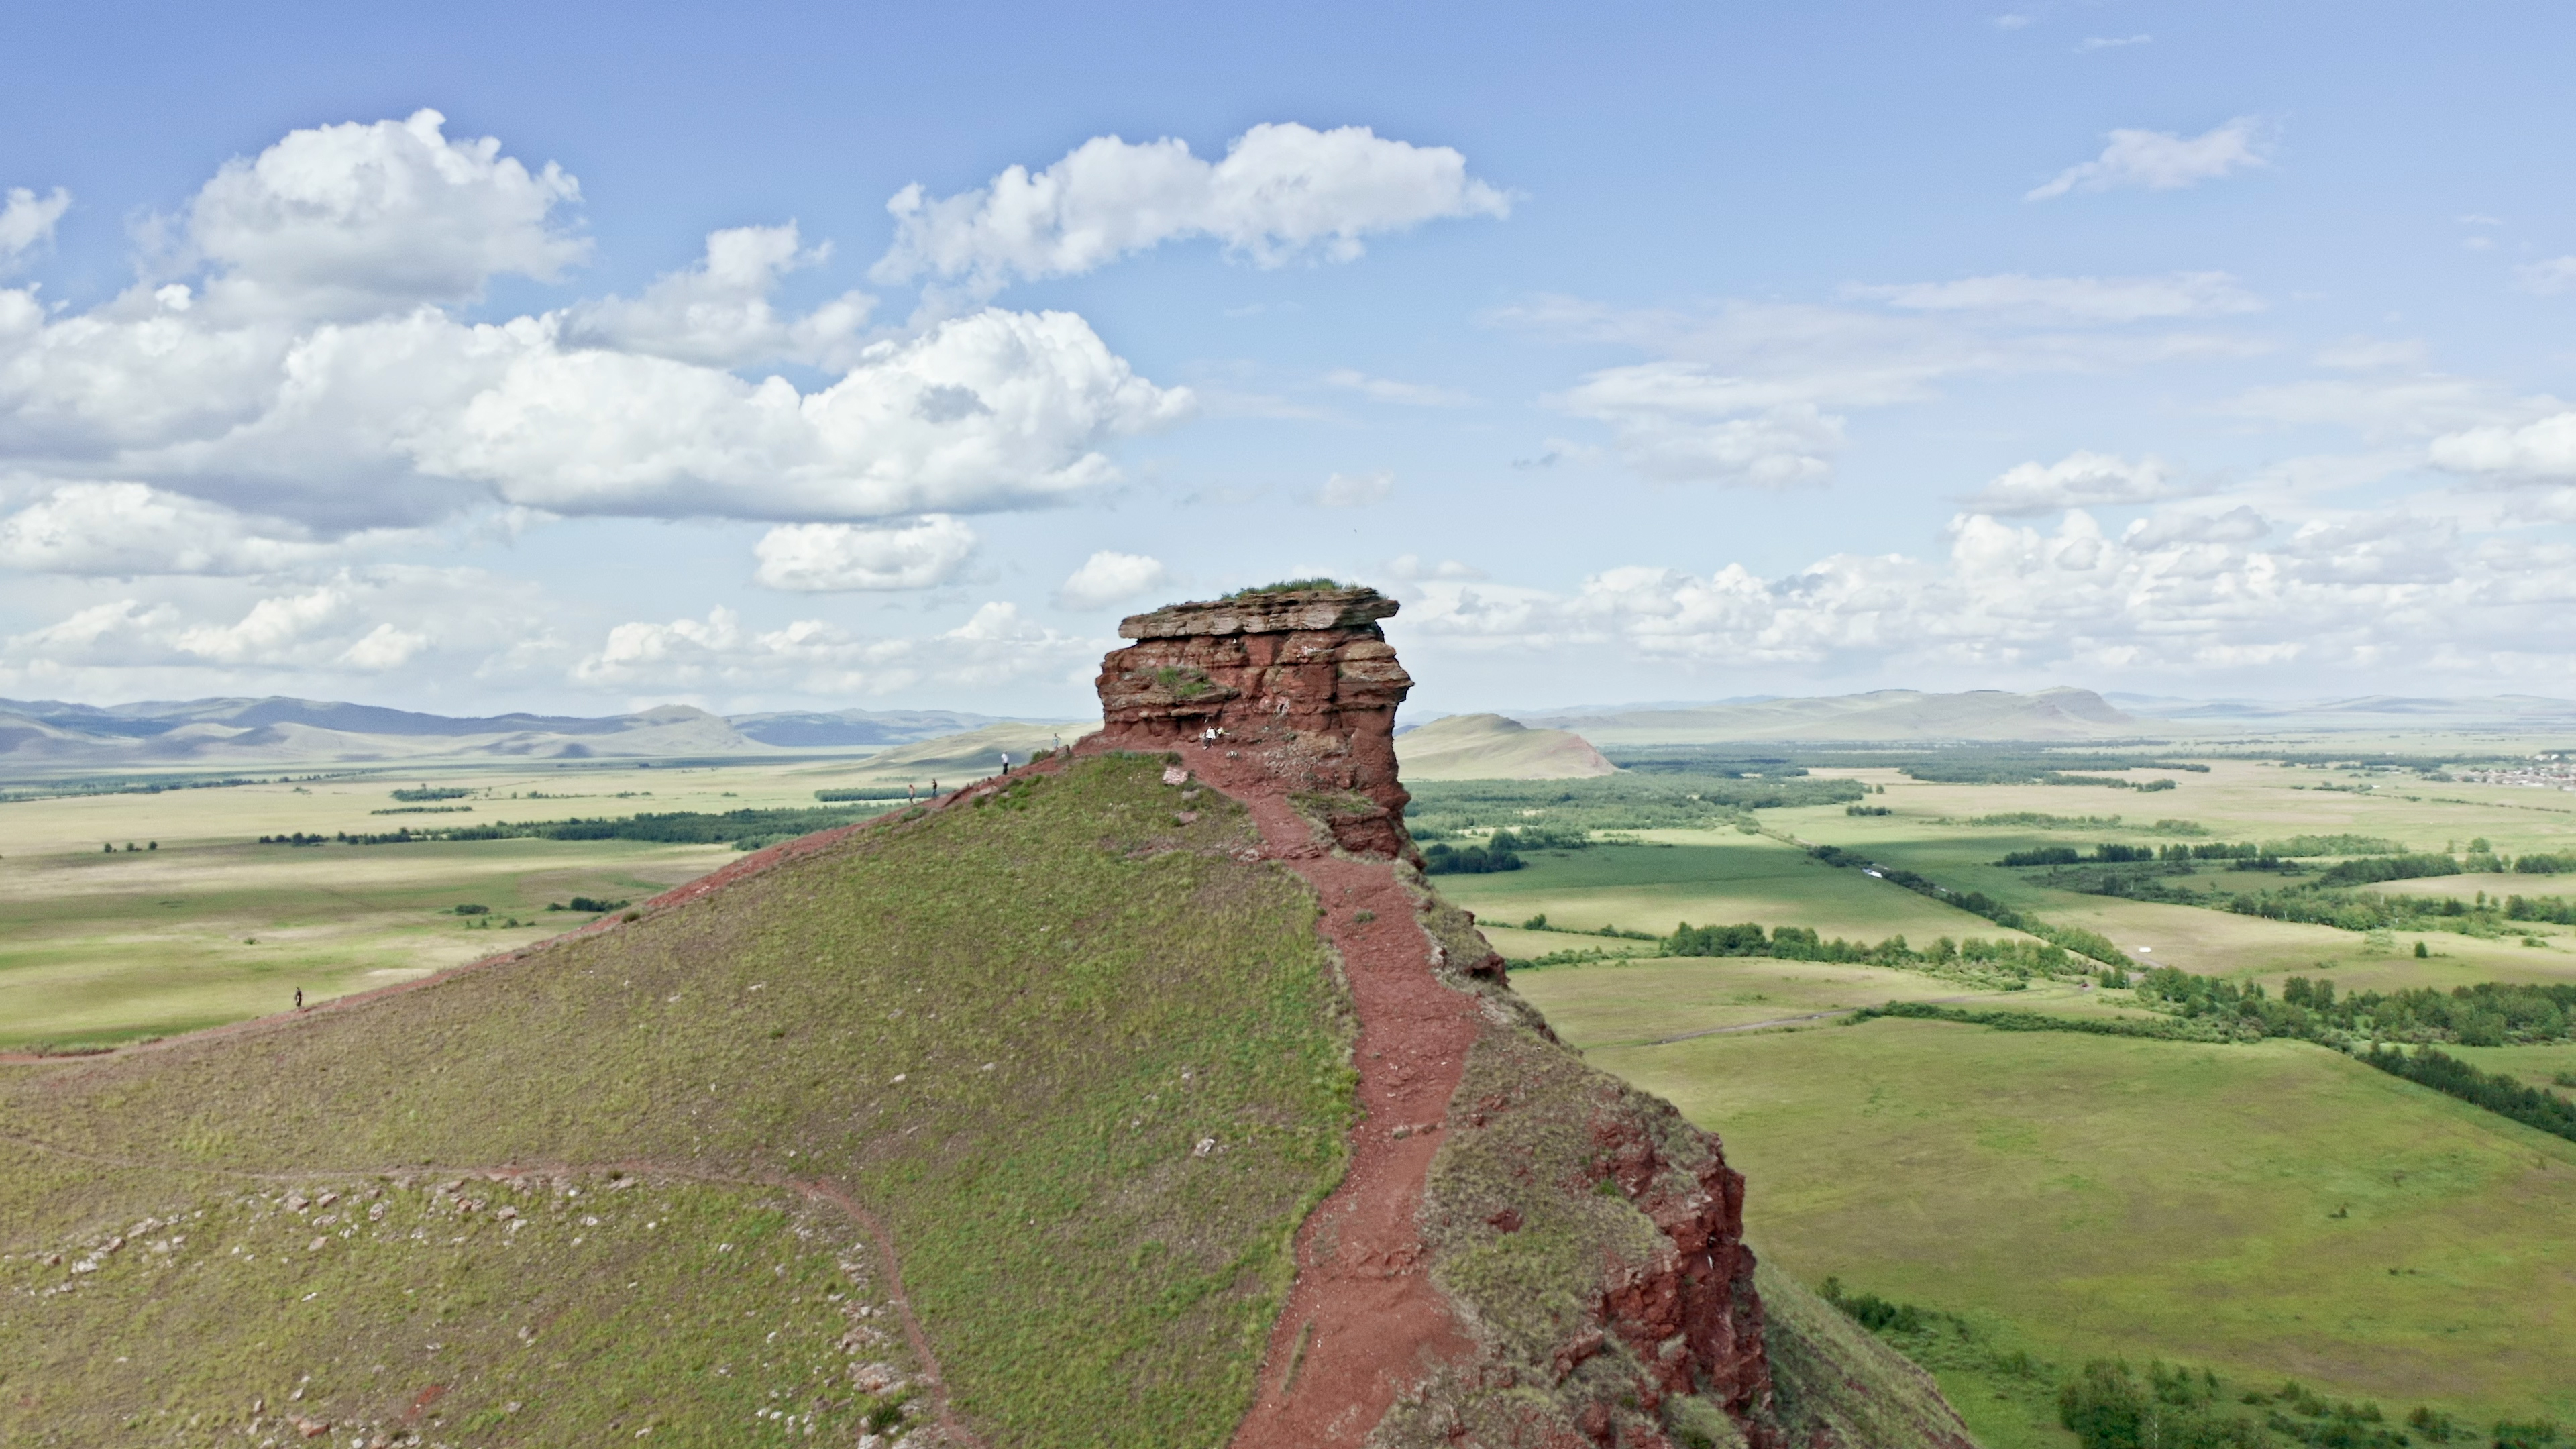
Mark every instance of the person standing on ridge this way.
pixel 299 998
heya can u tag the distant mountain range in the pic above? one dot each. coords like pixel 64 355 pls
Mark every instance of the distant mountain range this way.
pixel 1886 715
pixel 278 730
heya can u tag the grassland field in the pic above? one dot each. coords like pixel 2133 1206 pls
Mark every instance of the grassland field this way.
pixel 2271 1211
pixel 207 926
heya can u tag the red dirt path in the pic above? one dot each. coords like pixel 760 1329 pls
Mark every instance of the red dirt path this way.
pixel 1362 1323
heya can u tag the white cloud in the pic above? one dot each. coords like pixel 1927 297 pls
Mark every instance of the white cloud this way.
pixel 391 411
pixel 2162 160
pixel 1109 577
pixel 358 220
pixel 2542 449
pixel 2112 42
pixel 1409 394
pixel 995 646
pixel 718 313
pixel 818 557
pixel 1356 490
pixel 2078 480
pixel 2190 594
pixel 1282 192
pixel 326 635
pixel 27 222
pixel 1683 423
pixel 2090 299
pixel 129 529
pixel 1758 393
pixel 992 410
pixel 2549 278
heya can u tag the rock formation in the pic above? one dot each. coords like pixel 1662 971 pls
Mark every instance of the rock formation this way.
pixel 1485 1141
pixel 1300 679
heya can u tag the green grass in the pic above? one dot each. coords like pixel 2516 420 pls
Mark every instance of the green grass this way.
pixel 500 1330
pixel 2272 1210
pixel 210 928
pixel 1705 878
pixel 1006 1029
pixel 1654 999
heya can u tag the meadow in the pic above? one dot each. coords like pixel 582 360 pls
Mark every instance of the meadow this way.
pixel 200 924
pixel 2273 1211
pixel 1087 1066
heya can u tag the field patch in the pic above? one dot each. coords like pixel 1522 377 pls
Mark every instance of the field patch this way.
pixel 2273 1210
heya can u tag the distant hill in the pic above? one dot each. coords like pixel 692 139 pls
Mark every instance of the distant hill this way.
pixel 959 758
pixel 1490 747
pixel 278 730
pixel 2511 713
pixel 1892 715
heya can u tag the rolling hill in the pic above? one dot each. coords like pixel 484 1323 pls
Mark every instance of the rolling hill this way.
pixel 1490 747
pixel 50 734
pixel 1149 1097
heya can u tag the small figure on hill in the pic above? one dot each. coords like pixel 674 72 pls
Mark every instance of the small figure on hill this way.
pixel 1006 762
pixel 907 793
pixel 299 998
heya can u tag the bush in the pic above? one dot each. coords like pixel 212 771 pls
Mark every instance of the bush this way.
pixel 1441 858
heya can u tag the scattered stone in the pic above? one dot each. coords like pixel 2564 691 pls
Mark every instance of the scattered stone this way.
pixel 1206 1146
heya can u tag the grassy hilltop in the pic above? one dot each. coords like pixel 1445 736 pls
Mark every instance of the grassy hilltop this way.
pixel 1086 1066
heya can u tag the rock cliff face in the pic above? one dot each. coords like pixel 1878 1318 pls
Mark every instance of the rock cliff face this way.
pixel 1300 680
pixel 1564 1254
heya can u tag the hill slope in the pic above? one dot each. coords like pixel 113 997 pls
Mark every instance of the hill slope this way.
pixel 820 1030
pixel 1148 1097
pixel 1490 747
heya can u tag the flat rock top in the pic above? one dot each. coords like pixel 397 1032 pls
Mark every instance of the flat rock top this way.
pixel 1288 611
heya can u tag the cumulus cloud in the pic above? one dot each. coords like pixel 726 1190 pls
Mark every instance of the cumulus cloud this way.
pixel 824 557
pixel 718 313
pixel 357 220
pixel 345 626
pixel 2078 480
pixel 2162 160
pixel 2542 449
pixel 1109 577
pixel 1408 394
pixel 1356 490
pixel 995 646
pixel 27 222
pixel 992 410
pixel 2095 299
pixel 127 529
pixel 1283 191
pixel 312 376
pixel 2187 593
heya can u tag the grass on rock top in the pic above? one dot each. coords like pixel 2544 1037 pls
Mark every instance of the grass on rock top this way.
pixel 1088 1066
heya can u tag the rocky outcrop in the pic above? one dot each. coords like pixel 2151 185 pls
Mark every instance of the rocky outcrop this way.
pixel 1301 680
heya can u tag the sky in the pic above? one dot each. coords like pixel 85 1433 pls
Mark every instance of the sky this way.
pixel 581 358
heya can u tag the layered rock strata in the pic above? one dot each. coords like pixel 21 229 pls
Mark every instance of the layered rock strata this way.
pixel 1525 1251
pixel 1300 680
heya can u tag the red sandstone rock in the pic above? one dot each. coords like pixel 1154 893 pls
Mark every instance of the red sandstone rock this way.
pixel 1301 680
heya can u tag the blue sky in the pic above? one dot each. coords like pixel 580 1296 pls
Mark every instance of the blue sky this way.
pixel 1646 352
